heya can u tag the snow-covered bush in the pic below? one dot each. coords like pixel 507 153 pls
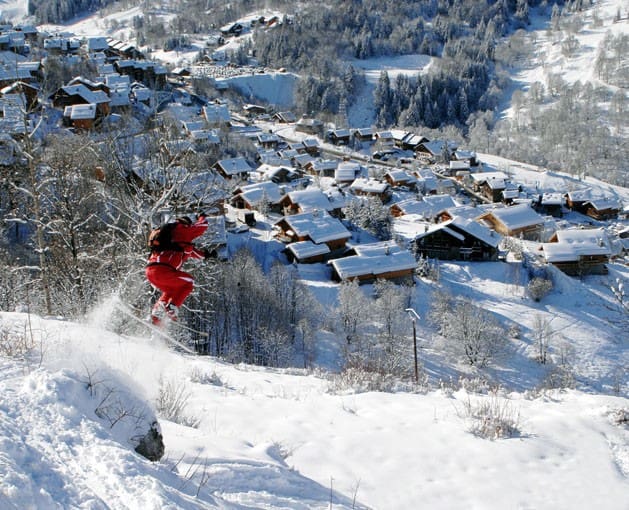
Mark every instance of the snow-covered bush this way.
pixel 358 380
pixel 492 418
pixel 538 288
pixel 199 376
pixel 171 403
pixel 14 344
pixel 558 378
pixel 620 417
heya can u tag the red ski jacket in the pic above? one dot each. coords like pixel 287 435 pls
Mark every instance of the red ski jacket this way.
pixel 183 235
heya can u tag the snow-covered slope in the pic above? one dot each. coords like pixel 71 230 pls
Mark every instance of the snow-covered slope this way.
pixel 279 439
pixel 598 19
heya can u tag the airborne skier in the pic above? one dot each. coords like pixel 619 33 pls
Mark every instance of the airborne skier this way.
pixel 171 245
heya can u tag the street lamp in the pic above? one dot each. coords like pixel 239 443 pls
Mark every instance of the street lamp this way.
pixel 414 317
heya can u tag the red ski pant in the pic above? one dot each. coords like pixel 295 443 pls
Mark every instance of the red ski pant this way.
pixel 175 285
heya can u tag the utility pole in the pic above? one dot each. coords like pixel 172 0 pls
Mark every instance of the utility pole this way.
pixel 414 317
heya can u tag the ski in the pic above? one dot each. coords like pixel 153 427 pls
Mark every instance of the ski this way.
pixel 128 311
pixel 179 325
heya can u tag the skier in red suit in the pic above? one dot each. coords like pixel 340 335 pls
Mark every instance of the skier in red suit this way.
pixel 163 270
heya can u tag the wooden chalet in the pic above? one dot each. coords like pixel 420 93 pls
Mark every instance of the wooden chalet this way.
pixel 312 147
pixel 347 171
pixel 91 85
pixel 435 149
pixel 406 140
pixel 12 119
pixel 490 184
pixel 515 221
pixel 62 45
pixel 366 187
pixel 309 125
pixel 399 177
pixel 233 168
pixel 426 182
pixel 597 207
pixel 81 116
pixel 307 252
pixel 308 200
pixel 550 204
pixel 71 95
pixel 339 136
pixel 384 138
pixel 603 208
pixel 364 135
pixel 121 49
pixel 458 239
pixel 232 29
pixel 285 117
pixel 258 196
pixel 254 110
pixel 458 169
pixel 9 75
pixel 464 155
pixel 268 140
pixel 217 115
pixel 578 252
pixel 375 261
pixel 151 74
pixel 428 208
pixel 278 174
pixel 316 226
pixel 318 167
pixel 29 91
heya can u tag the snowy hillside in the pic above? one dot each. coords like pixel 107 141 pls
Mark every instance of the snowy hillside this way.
pixel 281 439
pixel 597 19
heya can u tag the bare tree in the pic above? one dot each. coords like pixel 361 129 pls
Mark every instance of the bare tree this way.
pixel 353 310
pixel 473 333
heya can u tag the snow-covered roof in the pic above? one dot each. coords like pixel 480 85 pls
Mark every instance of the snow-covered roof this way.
pixel 90 96
pixel 481 177
pixel 321 165
pixel 399 175
pixel 517 216
pixel 347 171
pixel 365 185
pixel 207 135
pixel 575 243
pixel 80 111
pixel 603 203
pixel 310 143
pixel 97 43
pixel 216 113
pixel 477 230
pixel 304 159
pixel 115 79
pixel 306 249
pixel 268 138
pixel 311 199
pixel 269 170
pixel 234 166
pixel 319 226
pixel 255 193
pixel 459 165
pixel 374 263
pixel 552 199
pixel 510 193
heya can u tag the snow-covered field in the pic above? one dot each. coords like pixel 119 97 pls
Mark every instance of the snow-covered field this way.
pixel 279 439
